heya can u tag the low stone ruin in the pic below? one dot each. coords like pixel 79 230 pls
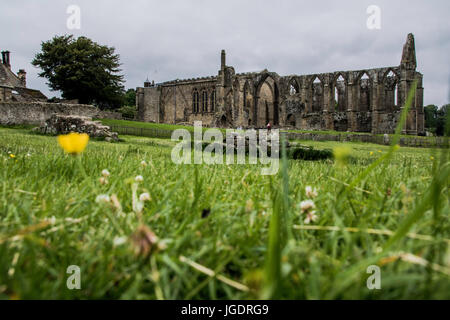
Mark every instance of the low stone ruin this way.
pixel 244 140
pixel 62 124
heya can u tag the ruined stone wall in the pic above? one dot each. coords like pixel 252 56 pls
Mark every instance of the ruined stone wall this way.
pixel 367 100
pixel 177 102
pixel 173 102
pixel 14 113
pixel 361 101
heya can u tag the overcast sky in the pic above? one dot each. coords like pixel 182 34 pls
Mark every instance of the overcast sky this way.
pixel 166 40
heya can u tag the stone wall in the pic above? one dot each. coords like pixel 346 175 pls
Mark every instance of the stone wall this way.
pixel 105 114
pixel 174 102
pixel 14 113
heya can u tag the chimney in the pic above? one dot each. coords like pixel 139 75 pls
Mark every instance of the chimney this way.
pixel 5 57
pixel 22 75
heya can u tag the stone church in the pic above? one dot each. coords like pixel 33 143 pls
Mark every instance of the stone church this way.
pixel 368 100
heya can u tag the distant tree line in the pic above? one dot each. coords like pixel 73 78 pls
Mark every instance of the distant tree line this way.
pixel 128 109
pixel 437 120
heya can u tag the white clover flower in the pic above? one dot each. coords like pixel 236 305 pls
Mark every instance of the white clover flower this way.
pixel 310 216
pixel 144 197
pixel 119 241
pixel 139 178
pixel 310 192
pixel 143 163
pixel 51 220
pixel 105 173
pixel 306 205
pixel 102 198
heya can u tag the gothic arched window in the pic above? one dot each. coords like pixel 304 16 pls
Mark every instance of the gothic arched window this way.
pixel 195 108
pixel 204 101
pixel 293 87
pixel 213 100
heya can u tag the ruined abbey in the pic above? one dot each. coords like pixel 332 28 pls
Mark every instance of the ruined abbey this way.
pixel 368 100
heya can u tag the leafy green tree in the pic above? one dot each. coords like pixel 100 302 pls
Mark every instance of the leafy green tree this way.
pixel 431 112
pixel 82 69
pixel 129 109
pixel 130 97
pixel 443 121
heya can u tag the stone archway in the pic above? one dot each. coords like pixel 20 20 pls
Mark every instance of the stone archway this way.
pixel 248 105
pixel 235 112
pixel 266 102
pixel 391 82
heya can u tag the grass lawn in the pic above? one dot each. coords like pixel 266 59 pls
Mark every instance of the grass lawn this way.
pixel 227 221
pixel 333 132
pixel 144 125
pixel 149 125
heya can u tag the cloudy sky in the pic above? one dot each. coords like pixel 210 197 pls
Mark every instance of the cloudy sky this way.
pixel 170 39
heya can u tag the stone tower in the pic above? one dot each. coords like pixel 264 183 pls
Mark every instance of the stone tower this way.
pixel 409 61
pixel 408 64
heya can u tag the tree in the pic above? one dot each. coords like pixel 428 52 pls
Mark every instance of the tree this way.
pixel 431 112
pixel 128 110
pixel 443 121
pixel 82 69
pixel 130 97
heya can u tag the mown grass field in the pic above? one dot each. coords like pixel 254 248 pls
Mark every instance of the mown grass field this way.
pixel 165 126
pixel 144 125
pixel 254 242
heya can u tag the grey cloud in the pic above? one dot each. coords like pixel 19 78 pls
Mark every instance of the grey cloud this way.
pixel 182 39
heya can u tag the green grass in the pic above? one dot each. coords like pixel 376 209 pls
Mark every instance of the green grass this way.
pixel 144 125
pixel 149 125
pixel 407 193
pixel 332 132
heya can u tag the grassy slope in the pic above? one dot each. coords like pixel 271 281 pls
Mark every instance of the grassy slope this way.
pixel 231 241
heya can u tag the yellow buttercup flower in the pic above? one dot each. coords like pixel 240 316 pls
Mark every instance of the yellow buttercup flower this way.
pixel 12 155
pixel 73 143
pixel 342 154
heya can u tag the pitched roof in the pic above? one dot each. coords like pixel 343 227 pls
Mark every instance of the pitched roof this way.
pixel 22 93
pixel 7 77
pixel 30 94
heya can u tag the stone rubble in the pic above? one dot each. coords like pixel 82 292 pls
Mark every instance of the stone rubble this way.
pixel 62 124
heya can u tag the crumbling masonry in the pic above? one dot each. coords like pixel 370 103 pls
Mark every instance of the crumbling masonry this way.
pixel 368 100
